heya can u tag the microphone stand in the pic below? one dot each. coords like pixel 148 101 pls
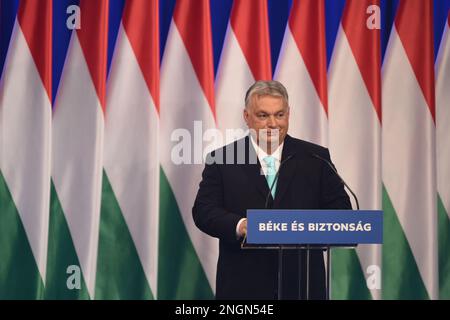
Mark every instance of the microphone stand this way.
pixel 327 297
pixel 280 249
pixel 337 174
pixel 307 271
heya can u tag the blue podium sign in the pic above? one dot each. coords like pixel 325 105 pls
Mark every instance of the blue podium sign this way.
pixel 314 226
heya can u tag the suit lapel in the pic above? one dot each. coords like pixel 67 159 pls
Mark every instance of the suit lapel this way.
pixel 253 170
pixel 287 169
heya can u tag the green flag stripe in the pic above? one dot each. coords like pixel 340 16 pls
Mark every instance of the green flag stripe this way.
pixel 348 281
pixel 61 256
pixel 180 275
pixel 120 274
pixel 444 251
pixel 19 273
pixel 401 277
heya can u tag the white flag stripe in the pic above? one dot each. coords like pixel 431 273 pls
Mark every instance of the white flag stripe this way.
pixel 354 138
pixel 131 153
pixel 233 78
pixel 308 119
pixel 25 115
pixel 443 118
pixel 408 163
pixel 77 157
pixel 182 103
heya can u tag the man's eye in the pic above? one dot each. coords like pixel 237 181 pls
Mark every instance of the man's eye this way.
pixel 262 116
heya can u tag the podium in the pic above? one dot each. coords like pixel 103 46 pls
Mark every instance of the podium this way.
pixel 311 230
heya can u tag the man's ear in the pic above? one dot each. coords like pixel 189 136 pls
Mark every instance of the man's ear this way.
pixel 245 114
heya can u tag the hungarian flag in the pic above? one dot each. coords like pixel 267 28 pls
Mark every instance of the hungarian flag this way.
pixel 188 257
pixel 128 243
pixel 25 147
pixel 410 248
pixel 77 156
pixel 355 138
pixel 443 158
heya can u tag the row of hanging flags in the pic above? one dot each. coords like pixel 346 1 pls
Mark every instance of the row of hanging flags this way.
pixel 92 205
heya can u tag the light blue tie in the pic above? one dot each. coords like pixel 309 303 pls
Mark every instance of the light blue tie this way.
pixel 271 173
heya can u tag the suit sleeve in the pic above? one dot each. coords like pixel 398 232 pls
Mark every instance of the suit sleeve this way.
pixel 208 212
pixel 333 195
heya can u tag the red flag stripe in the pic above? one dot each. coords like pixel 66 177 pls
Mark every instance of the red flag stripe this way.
pixel 93 36
pixel 414 24
pixel 35 19
pixel 365 45
pixel 141 23
pixel 250 25
pixel 193 21
pixel 307 24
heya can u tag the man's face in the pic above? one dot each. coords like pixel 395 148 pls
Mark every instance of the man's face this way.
pixel 269 117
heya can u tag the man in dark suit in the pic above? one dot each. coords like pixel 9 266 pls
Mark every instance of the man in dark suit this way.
pixel 242 176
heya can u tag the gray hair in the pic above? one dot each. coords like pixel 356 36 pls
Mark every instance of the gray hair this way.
pixel 266 88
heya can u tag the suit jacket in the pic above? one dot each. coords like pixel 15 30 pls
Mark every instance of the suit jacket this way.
pixel 227 190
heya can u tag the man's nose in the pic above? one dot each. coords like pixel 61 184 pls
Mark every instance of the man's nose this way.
pixel 271 122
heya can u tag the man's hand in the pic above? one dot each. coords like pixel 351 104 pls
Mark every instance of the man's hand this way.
pixel 242 229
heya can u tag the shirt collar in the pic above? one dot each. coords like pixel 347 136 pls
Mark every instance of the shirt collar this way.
pixel 262 154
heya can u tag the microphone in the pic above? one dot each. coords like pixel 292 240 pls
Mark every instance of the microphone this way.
pixel 337 174
pixel 276 178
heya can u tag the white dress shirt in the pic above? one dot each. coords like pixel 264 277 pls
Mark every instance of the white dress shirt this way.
pixel 262 154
